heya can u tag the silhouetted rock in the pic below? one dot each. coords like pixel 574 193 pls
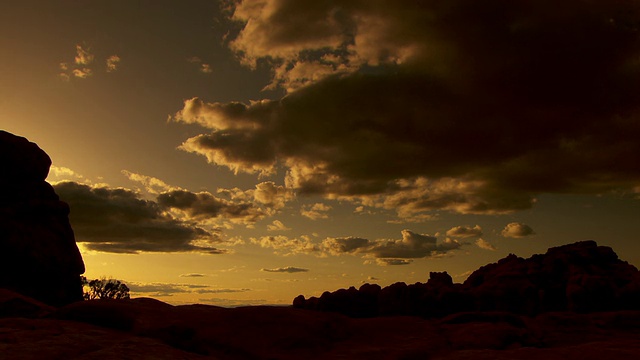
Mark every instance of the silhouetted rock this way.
pixel 579 277
pixel 38 254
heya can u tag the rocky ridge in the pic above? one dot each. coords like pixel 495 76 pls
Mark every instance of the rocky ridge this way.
pixel 580 277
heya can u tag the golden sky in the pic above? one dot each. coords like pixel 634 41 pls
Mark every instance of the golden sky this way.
pixel 246 152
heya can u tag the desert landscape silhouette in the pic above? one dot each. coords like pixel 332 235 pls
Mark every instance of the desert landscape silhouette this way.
pixel 575 301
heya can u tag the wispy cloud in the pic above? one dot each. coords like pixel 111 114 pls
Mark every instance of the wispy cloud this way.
pixel 393 262
pixel 483 244
pixel 316 211
pixel 170 289
pixel 202 66
pixel 287 269
pixel 113 62
pixel 83 65
pixel 277 225
pixel 83 56
pixel 197 275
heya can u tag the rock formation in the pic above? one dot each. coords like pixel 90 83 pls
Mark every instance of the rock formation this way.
pixel 580 277
pixel 38 254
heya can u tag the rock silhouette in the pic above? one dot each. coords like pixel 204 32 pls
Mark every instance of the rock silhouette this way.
pixel 38 254
pixel 580 277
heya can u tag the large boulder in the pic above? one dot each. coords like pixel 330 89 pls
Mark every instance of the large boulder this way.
pixel 38 254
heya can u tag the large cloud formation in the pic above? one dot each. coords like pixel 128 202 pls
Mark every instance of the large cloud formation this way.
pixel 386 251
pixel 118 220
pixel 410 246
pixel 465 106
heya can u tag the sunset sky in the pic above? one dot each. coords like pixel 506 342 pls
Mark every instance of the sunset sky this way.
pixel 246 152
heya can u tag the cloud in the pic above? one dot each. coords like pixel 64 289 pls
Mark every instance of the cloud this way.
pixel 168 289
pixel 83 56
pixel 338 246
pixel 203 205
pixel 118 220
pixel 517 230
pixel 272 195
pixel 151 184
pixel 483 244
pixel 113 62
pixel 287 269
pixel 84 64
pixel 162 289
pixel 277 225
pixel 387 262
pixel 410 246
pixel 315 211
pixel 82 73
pixel 220 291
pixel 465 231
pixel 192 275
pixel 399 118
pixel 288 246
pixel 204 67
pixel 59 173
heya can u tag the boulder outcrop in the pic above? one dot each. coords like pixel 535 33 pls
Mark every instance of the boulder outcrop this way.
pixel 38 254
pixel 580 277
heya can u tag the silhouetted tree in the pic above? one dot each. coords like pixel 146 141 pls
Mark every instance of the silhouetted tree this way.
pixel 104 288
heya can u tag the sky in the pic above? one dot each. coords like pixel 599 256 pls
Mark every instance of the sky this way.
pixel 246 152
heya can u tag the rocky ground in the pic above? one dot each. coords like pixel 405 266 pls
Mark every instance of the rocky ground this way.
pixel 149 329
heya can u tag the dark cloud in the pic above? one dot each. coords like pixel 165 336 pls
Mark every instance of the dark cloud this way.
pixel 421 106
pixel 411 246
pixel 517 230
pixel 288 246
pixel 337 246
pixel 286 269
pixel 118 220
pixel 204 205
pixel 392 262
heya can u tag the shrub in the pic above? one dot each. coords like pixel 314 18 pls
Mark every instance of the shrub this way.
pixel 104 288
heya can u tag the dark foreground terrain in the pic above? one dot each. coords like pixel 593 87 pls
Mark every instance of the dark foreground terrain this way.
pixel 149 329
